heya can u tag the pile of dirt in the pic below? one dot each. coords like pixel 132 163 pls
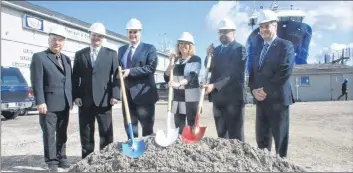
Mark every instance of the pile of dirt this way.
pixel 208 155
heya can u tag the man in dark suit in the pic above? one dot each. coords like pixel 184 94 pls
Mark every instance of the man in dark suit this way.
pixel 95 89
pixel 51 81
pixel 269 82
pixel 139 61
pixel 227 83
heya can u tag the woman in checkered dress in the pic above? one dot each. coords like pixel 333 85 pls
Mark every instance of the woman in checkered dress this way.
pixel 186 86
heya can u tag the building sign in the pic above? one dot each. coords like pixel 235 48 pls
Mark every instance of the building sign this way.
pixel 33 23
pixel 77 35
pixel 73 34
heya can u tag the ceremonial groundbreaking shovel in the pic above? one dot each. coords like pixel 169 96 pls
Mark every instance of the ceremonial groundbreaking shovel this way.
pixel 135 148
pixel 189 135
pixel 168 136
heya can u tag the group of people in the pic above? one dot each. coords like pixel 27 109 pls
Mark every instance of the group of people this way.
pixel 268 81
pixel 93 85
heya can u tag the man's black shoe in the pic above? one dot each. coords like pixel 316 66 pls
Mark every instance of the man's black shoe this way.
pixel 64 164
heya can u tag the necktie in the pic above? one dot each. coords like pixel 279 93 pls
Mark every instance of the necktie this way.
pixel 222 48
pixel 263 53
pixel 129 61
pixel 94 56
pixel 59 61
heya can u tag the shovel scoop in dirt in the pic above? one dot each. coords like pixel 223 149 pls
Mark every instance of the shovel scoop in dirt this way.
pixel 134 148
pixel 193 135
pixel 166 137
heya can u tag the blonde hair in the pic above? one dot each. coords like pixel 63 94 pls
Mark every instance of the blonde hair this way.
pixel 191 49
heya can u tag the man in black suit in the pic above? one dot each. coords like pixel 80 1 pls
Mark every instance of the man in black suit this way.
pixel 226 88
pixel 269 82
pixel 95 89
pixel 139 61
pixel 51 81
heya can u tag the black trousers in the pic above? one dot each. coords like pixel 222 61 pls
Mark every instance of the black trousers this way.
pixel 54 128
pixel 181 119
pixel 229 120
pixel 145 114
pixel 343 94
pixel 272 120
pixel 87 117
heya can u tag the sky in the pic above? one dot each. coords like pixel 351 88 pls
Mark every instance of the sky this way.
pixel 331 21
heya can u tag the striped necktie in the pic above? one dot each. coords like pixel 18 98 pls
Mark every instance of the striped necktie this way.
pixel 94 56
pixel 263 53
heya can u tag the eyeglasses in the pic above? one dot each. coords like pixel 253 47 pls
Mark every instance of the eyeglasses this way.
pixel 133 32
pixel 226 31
pixel 183 43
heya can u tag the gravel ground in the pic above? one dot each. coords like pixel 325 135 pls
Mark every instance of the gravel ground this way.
pixel 321 137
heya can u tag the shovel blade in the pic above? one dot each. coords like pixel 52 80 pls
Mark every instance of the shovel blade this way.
pixel 191 136
pixel 166 137
pixel 134 149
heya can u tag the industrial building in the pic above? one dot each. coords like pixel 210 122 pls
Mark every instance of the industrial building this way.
pixel 24 31
pixel 320 82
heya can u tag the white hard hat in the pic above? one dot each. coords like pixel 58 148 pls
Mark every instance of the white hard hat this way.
pixel 266 16
pixel 133 24
pixel 58 30
pixel 226 24
pixel 97 28
pixel 186 36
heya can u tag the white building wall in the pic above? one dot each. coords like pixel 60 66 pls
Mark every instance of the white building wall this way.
pixel 19 43
pixel 321 87
pixel 163 62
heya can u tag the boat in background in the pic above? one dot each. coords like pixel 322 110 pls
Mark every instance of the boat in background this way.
pixel 290 27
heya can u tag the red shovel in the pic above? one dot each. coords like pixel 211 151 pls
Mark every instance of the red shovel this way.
pixel 189 135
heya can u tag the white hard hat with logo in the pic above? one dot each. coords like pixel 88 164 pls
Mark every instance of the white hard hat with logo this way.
pixel 134 24
pixel 266 16
pixel 186 36
pixel 58 30
pixel 97 28
pixel 226 24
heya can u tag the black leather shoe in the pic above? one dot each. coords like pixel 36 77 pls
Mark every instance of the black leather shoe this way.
pixel 53 168
pixel 64 164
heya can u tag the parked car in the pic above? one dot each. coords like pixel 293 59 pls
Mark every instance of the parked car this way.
pixel 162 88
pixel 31 98
pixel 15 93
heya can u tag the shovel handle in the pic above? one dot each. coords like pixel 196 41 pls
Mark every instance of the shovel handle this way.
pixel 203 90
pixel 170 89
pixel 126 106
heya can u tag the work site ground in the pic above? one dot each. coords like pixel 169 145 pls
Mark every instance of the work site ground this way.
pixel 321 136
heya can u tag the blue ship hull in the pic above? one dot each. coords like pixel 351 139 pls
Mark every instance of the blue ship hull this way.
pixel 297 32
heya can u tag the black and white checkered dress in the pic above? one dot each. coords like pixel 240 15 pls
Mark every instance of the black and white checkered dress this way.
pixel 186 97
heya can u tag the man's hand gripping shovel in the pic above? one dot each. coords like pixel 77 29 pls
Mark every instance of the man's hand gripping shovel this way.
pixel 134 148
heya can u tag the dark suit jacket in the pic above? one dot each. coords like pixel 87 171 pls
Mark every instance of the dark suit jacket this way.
pixel 95 86
pixel 51 84
pixel 228 74
pixel 274 73
pixel 140 82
